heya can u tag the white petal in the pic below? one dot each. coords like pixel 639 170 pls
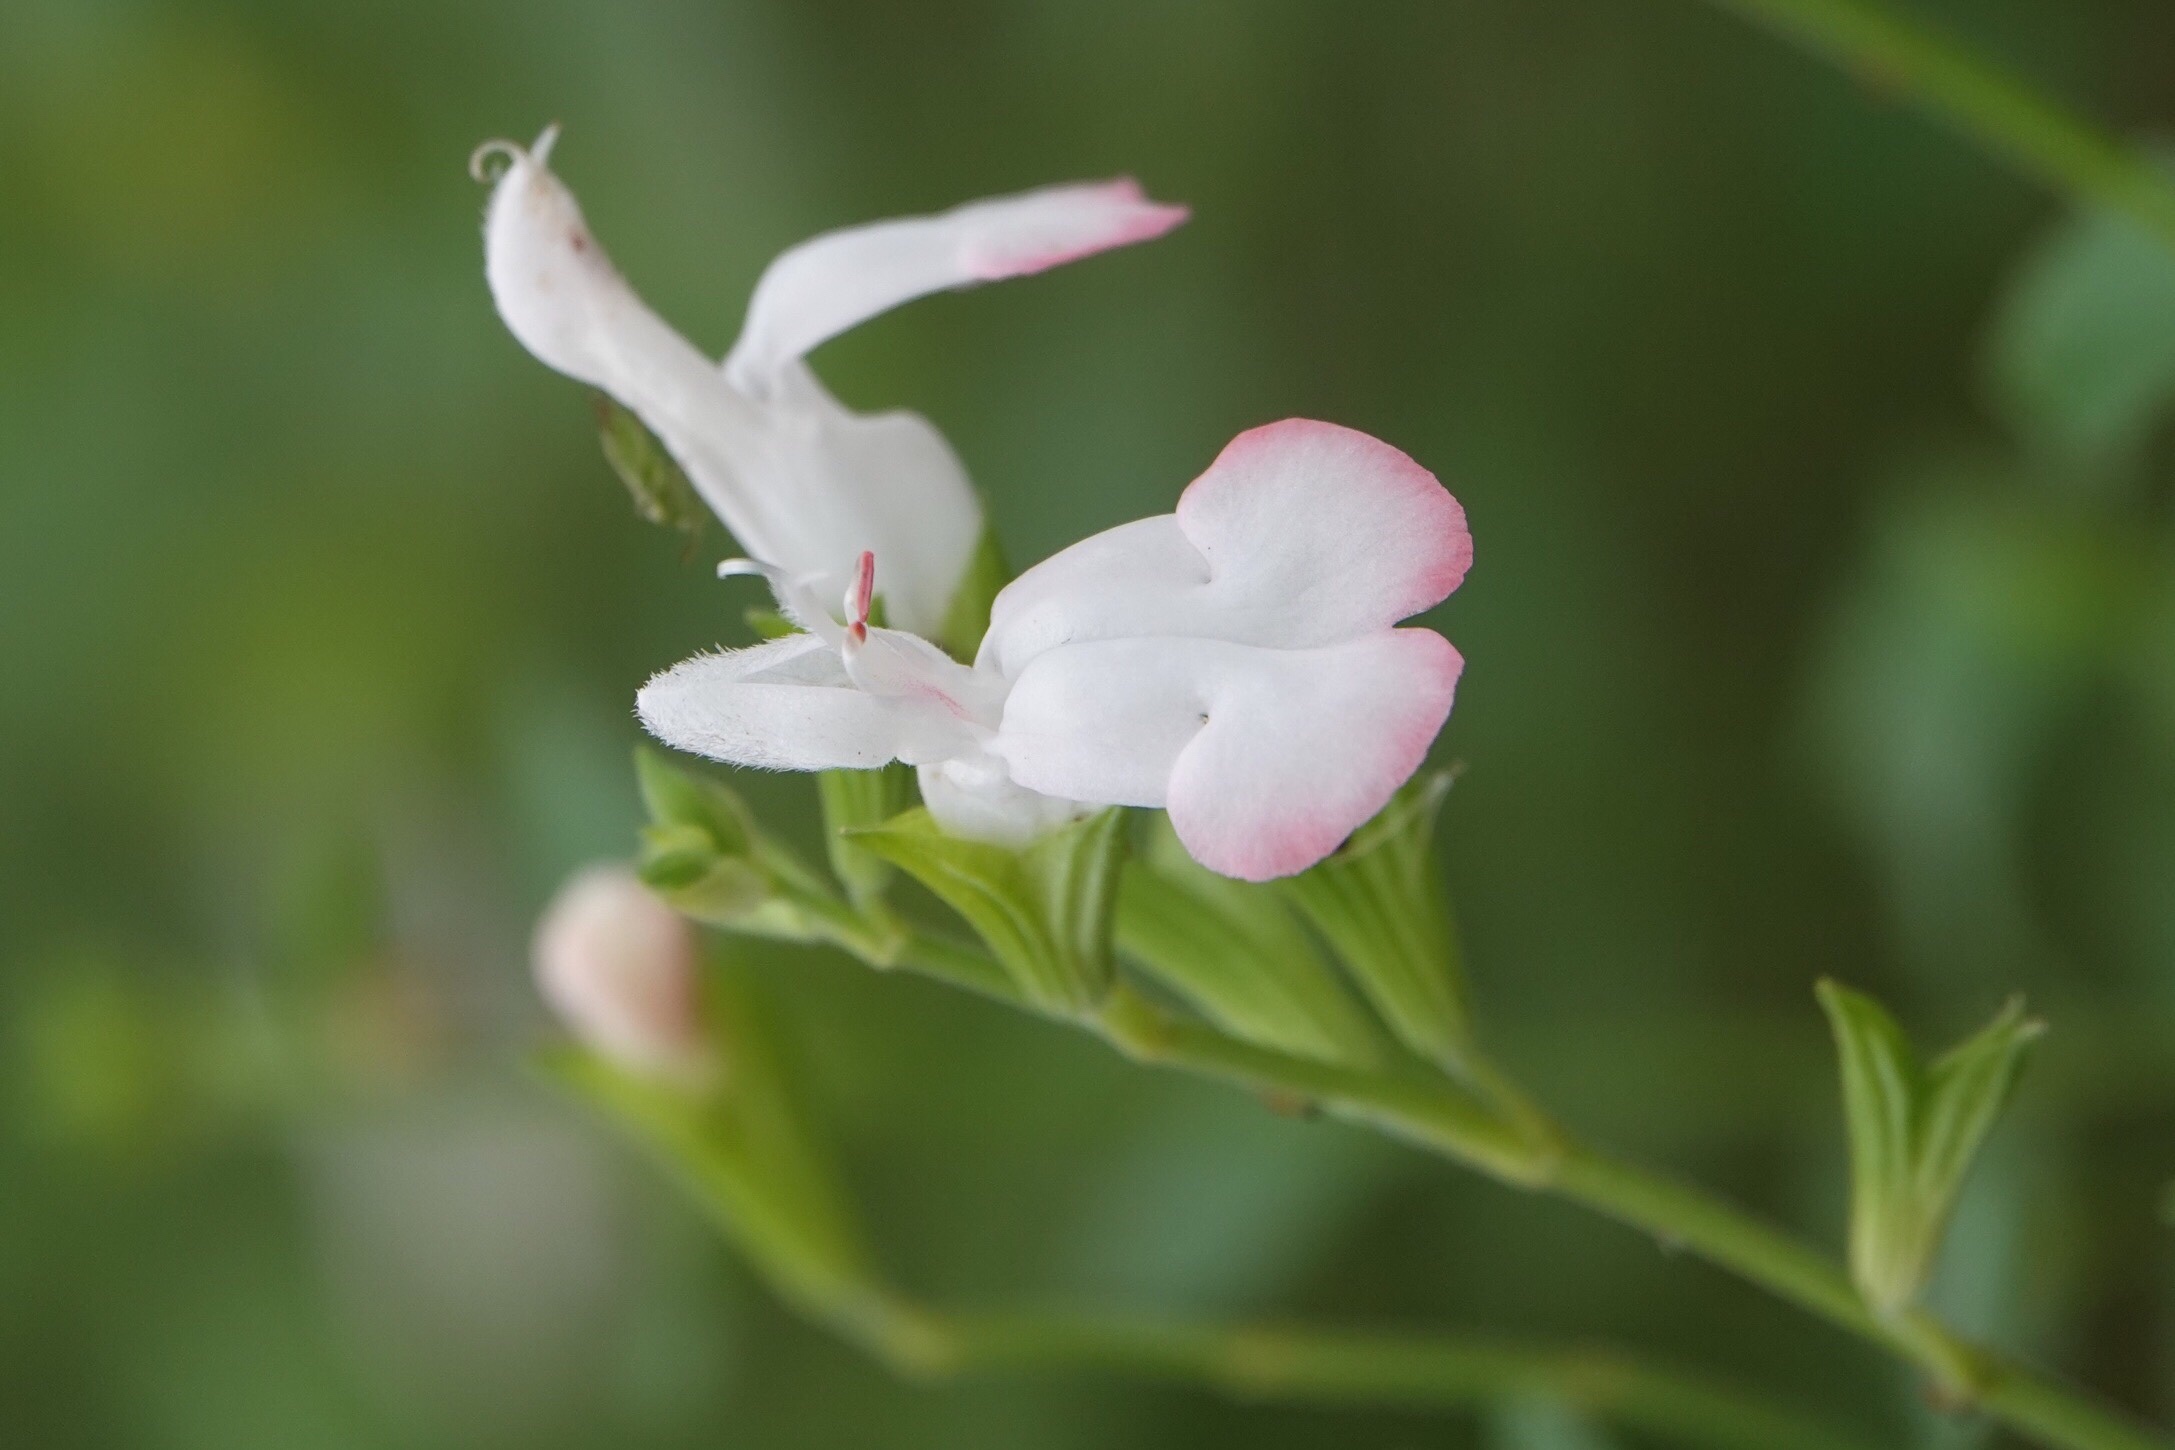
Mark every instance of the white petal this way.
pixel 896 488
pixel 974 798
pixel 563 299
pixel 787 705
pixel 561 296
pixel 828 284
pixel 1265 758
pixel 1299 534
pixel 801 482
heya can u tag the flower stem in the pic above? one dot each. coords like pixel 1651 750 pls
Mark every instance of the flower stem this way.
pixel 1341 1367
pixel 1435 1116
pixel 1983 102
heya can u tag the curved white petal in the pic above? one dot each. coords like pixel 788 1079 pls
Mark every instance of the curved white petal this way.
pixel 562 298
pixel 801 481
pixel 892 485
pixel 787 705
pixel 1299 534
pixel 828 284
pixel 1265 758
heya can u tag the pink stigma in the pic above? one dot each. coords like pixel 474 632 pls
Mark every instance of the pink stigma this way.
pixel 861 596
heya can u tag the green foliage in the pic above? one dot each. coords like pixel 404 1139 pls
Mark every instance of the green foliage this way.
pixel 661 492
pixel 1044 910
pixel 853 799
pixel 1237 952
pixel 1913 1134
pixel 745 1147
pixel 2082 352
pixel 704 854
pixel 1379 901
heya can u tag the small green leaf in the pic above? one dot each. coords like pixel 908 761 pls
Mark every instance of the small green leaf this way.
pixel 1238 953
pixel 675 797
pixel 1913 1133
pixel 967 619
pixel 1879 1091
pixel 2082 355
pixel 661 492
pixel 1965 1091
pixel 744 1147
pixel 1043 910
pixel 1380 903
pixel 703 853
pixel 769 623
pixel 853 799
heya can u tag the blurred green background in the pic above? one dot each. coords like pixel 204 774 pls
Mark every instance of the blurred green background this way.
pixel 1823 622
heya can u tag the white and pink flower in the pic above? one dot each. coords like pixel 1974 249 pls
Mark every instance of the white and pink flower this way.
pixel 802 482
pixel 1237 662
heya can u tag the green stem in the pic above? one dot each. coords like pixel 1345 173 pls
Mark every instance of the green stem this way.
pixel 1353 1368
pixel 1999 111
pixel 1437 1117
pixel 1516 1145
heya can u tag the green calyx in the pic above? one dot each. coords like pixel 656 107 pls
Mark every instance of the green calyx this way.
pixel 1043 910
pixel 1379 902
pixel 1238 954
pixel 703 853
pixel 661 492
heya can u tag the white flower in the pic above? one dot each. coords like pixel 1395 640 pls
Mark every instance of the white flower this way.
pixel 1236 662
pixel 622 971
pixel 801 481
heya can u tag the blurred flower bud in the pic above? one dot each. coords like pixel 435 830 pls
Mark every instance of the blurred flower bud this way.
pixel 622 971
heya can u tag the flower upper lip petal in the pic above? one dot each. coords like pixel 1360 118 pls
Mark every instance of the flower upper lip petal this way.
pixel 797 477
pixel 1300 534
pixel 832 282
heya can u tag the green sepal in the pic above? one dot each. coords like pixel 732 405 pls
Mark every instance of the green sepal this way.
pixel 853 800
pixel 768 623
pixel 1044 910
pixel 1914 1132
pixel 743 1145
pixel 660 490
pixel 703 853
pixel 1379 902
pixel 1237 952
pixel 966 619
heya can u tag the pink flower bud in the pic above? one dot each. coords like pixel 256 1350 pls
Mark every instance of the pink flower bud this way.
pixel 622 971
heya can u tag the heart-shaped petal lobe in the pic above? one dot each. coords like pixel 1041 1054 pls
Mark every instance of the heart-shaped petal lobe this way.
pixel 1265 758
pixel 1298 535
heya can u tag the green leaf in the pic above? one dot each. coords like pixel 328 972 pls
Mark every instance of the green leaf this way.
pixel 1237 952
pixel 1380 903
pixel 661 492
pixel 1879 1091
pixel 744 1147
pixel 967 618
pixel 853 799
pixel 2082 355
pixel 1044 910
pixel 679 798
pixel 1913 1134
pixel 1965 1091
pixel 703 853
